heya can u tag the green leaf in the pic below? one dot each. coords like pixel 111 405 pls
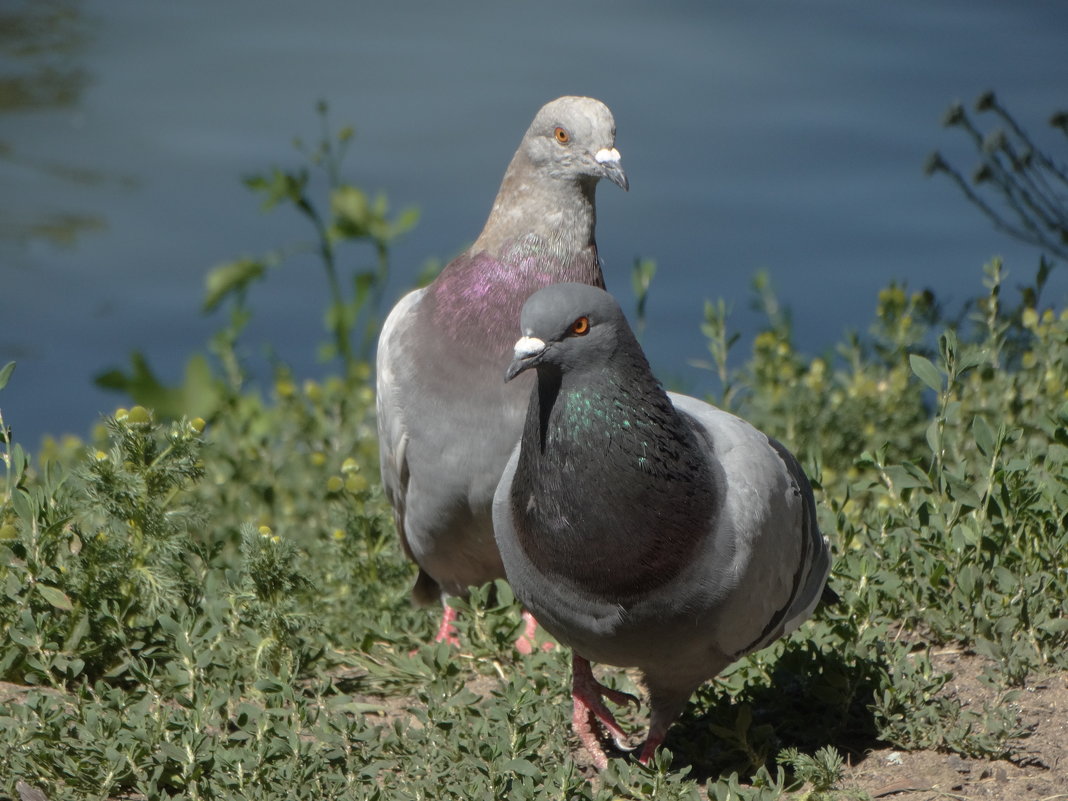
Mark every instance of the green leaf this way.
pixel 966 578
pixel 962 490
pixel 19 462
pixel 20 502
pixel 81 628
pixel 505 596
pixel 173 752
pixel 56 597
pixel 984 435
pixel 907 476
pixel 351 211
pixel 934 437
pixel 524 767
pixel 953 412
pixel 971 358
pixel 1057 625
pixel 5 373
pixel 230 278
pixel 140 379
pixel 406 221
pixel 641 276
pixel 279 186
pixel 926 371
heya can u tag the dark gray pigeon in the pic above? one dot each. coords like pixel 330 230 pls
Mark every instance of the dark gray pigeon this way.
pixel 644 528
pixel 446 422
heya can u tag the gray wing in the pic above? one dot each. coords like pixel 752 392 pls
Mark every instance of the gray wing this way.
pixel 447 422
pixel 393 431
pixel 816 560
pixel 503 527
pixel 779 558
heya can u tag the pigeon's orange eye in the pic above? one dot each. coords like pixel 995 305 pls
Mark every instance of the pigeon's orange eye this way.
pixel 562 136
pixel 581 326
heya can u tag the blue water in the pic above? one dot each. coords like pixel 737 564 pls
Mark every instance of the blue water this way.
pixel 781 136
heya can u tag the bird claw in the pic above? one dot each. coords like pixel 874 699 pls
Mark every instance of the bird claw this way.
pixel 621 698
pixel 587 694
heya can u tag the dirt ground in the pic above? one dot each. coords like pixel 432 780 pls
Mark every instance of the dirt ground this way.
pixel 1037 772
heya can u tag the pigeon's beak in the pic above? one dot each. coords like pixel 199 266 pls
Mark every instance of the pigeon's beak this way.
pixel 528 351
pixel 611 168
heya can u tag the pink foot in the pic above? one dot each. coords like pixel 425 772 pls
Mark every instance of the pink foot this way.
pixel 447 631
pixel 587 693
pixel 526 641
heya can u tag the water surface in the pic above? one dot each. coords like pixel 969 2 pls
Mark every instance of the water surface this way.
pixel 781 136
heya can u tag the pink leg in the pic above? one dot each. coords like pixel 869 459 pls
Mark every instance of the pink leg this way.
pixel 587 693
pixel 652 742
pixel 526 641
pixel 446 631
pixel 665 705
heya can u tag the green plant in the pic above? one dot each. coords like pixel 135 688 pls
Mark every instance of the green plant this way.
pixel 822 770
pixel 1027 183
pixel 349 215
pixel 720 342
pixel 641 279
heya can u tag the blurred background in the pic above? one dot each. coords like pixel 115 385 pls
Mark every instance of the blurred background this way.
pixel 785 137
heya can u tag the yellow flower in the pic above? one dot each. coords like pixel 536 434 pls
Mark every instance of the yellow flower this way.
pixel 356 483
pixel 892 295
pixel 285 388
pixel 765 340
pixel 139 414
pixel 350 466
pixel 334 484
pixel 265 531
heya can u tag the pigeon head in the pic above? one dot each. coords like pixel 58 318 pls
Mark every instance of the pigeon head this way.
pixel 568 326
pixel 573 138
pixel 546 200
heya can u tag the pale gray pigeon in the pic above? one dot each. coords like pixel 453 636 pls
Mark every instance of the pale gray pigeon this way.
pixel 446 421
pixel 643 528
